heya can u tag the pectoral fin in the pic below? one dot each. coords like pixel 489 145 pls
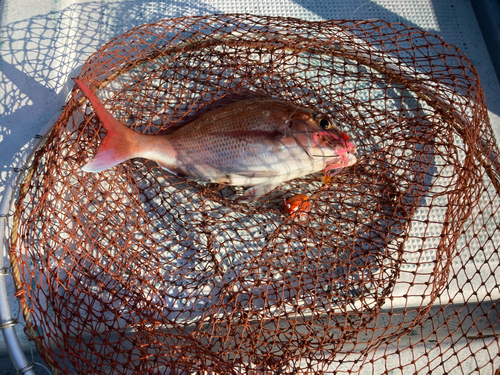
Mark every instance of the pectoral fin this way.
pixel 256 174
pixel 247 178
pixel 257 191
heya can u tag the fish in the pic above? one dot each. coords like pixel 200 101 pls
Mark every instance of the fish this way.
pixel 253 140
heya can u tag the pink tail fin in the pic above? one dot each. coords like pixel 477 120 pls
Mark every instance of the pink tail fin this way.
pixel 119 144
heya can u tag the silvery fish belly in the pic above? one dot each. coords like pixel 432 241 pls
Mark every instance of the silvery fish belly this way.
pixel 248 139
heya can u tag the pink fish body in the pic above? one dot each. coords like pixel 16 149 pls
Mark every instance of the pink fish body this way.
pixel 258 142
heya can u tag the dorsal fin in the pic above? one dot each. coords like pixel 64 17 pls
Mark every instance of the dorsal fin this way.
pixel 229 98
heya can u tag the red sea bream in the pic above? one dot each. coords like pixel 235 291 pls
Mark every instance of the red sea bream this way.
pixel 256 141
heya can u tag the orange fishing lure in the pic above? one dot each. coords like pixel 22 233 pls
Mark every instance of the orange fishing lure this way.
pixel 298 205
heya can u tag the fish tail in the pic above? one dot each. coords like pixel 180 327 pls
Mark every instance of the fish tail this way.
pixel 118 145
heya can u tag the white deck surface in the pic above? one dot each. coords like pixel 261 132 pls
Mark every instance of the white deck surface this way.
pixel 44 42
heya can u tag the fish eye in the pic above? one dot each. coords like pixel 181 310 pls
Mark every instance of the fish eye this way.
pixel 323 122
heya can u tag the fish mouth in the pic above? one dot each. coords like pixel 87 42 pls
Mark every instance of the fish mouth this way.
pixel 351 159
pixel 338 146
pixel 351 154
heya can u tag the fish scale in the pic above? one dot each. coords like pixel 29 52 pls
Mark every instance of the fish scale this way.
pixel 225 151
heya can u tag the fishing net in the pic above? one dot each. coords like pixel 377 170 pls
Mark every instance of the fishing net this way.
pixel 134 270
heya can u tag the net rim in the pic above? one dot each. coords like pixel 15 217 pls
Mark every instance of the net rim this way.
pixel 18 177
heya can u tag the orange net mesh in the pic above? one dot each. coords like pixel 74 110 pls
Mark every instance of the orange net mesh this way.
pixel 136 270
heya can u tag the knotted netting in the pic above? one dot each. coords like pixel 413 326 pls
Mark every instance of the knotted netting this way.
pixel 134 270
